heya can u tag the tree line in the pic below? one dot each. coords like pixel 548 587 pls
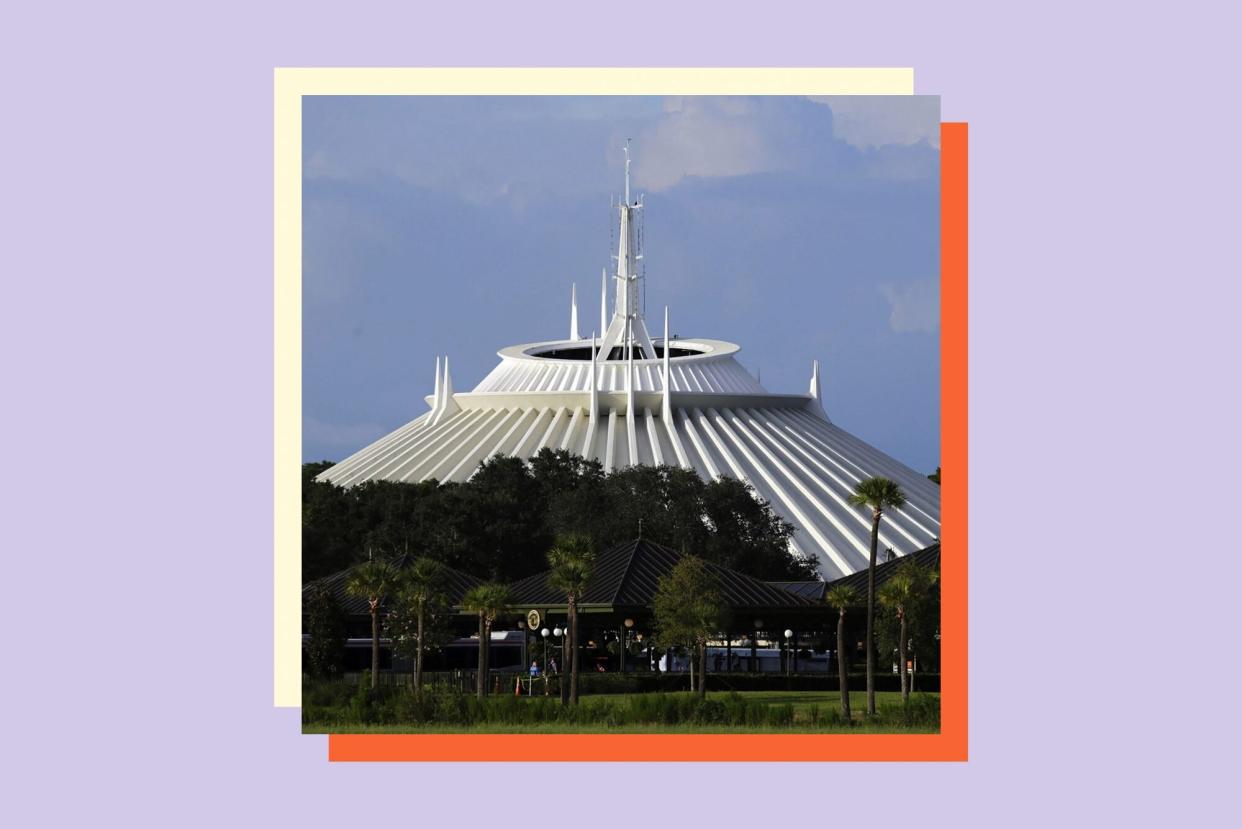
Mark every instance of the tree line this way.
pixel 688 606
pixel 499 525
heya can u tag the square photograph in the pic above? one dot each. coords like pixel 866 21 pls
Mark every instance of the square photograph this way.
pixel 621 414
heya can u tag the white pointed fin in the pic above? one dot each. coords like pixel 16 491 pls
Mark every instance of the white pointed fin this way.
pixel 445 404
pixel 603 301
pixel 666 408
pixel 573 313
pixel 817 392
pixel 435 395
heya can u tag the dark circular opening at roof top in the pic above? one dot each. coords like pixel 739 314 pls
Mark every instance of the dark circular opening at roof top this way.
pixel 584 353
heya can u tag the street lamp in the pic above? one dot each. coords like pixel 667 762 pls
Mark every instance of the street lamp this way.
pixel 544 634
pixel 788 654
pixel 629 623
pixel 754 646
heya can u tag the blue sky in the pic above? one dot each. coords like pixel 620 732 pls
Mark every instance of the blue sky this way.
pixel 798 228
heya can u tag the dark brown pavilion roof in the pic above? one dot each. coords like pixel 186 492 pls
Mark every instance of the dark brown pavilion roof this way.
pixel 628 574
pixel 813 590
pixel 458 583
pixel 928 557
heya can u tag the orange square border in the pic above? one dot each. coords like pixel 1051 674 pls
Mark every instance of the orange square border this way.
pixel 950 744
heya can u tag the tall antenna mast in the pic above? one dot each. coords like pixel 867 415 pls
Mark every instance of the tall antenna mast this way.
pixel 627 328
pixel 627 171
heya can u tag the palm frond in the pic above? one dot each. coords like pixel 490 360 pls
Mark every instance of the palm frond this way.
pixel 878 493
pixel 372 579
pixel 842 596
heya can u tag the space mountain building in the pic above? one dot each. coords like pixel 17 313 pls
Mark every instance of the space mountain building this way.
pixel 630 398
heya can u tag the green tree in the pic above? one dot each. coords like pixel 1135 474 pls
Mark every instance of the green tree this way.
pixel 500 523
pixel 689 609
pixel 572 559
pixel 421 607
pixel 325 633
pixel 571 491
pixel 373 581
pixel 489 601
pixel 746 535
pixel 879 494
pixel 842 598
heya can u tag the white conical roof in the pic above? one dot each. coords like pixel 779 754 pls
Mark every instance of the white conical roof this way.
pixel 714 417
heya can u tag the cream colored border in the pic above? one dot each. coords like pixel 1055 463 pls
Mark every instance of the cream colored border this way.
pixel 290 86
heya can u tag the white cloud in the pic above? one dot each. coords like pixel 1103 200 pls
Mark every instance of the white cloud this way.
pixel 913 306
pixel 706 137
pixel 875 120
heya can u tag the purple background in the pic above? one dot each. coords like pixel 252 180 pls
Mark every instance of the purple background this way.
pixel 137 264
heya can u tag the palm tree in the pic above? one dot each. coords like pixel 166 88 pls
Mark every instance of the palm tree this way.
pixel 571 560
pixel 842 598
pixel 489 601
pixel 423 589
pixel 905 587
pixel 879 494
pixel 372 581
pixel 895 595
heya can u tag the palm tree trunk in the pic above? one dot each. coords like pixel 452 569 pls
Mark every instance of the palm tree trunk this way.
pixel 566 665
pixel 573 650
pixel 901 656
pixel 482 678
pixel 487 656
pixel 703 669
pixel 875 540
pixel 418 658
pixel 374 645
pixel 843 676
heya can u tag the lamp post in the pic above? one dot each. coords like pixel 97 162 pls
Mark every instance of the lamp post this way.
pixel 788 642
pixel 563 635
pixel 544 634
pixel 625 631
pixel 754 646
pixel 521 625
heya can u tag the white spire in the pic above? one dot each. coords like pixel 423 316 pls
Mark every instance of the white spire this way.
pixel 573 312
pixel 603 301
pixel 629 382
pixel 447 388
pixel 593 414
pixel 627 327
pixel 666 411
pixel 435 395
pixel 816 392
pixel 444 405
pixel 627 171
pixel 594 381
pixel 631 414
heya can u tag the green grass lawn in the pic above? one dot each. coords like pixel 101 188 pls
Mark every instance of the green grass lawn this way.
pixel 802 702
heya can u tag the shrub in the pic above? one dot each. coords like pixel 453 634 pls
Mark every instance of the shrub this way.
pixel 921 710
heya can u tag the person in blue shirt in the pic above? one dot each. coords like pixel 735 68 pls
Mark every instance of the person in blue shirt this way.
pixel 534 668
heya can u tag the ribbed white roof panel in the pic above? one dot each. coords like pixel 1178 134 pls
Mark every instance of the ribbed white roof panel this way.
pixel 803 465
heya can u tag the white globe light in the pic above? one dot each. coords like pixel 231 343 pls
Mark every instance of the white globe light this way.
pixel 544 633
pixel 789 634
pixel 556 632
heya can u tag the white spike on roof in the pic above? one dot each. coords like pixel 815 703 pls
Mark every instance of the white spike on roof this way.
pixel 573 313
